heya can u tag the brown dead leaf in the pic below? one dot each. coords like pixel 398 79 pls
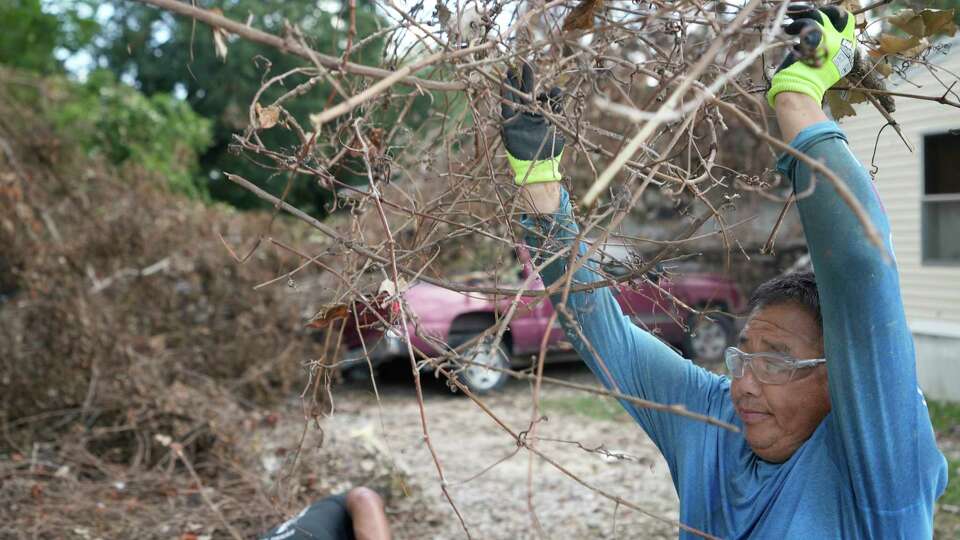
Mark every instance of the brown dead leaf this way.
pixel 890 44
pixel 939 21
pixel 839 106
pixel 883 69
pixel 390 288
pixel 375 137
pixel 853 97
pixel 219 38
pixel 854 6
pixel 373 140
pixel 443 14
pixel 581 18
pixel 908 21
pixel 914 52
pixel 267 117
pixel 929 22
pixel 328 314
pixel 850 5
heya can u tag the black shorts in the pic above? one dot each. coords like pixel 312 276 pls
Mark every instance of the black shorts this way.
pixel 326 519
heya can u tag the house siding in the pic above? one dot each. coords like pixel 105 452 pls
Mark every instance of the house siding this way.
pixel 931 291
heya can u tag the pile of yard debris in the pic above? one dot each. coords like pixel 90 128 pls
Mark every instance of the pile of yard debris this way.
pixel 137 363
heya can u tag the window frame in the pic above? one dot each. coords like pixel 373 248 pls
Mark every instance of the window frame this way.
pixel 926 199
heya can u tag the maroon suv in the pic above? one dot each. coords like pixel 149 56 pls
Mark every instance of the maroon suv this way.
pixel 440 318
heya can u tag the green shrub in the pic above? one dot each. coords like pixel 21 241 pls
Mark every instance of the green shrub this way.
pixel 158 134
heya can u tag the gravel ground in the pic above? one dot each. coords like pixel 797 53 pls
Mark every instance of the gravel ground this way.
pixel 494 504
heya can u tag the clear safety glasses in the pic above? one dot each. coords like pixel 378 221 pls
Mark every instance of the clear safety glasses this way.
pixel 767 367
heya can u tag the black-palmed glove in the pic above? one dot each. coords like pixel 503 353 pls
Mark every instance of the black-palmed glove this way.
pixel 827 33
pixel 533 145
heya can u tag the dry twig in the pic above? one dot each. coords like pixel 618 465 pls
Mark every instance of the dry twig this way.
pixel 655 93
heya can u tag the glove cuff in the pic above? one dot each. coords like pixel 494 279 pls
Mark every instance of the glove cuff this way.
pixel 533 172
pixel 802 85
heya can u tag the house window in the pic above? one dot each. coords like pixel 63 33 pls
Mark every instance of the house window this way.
pixel 941 198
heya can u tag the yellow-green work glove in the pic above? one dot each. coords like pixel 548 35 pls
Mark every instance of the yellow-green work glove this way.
pixel 823 56
pixel 533 145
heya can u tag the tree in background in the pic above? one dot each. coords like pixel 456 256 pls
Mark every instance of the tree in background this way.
pixel 32 35
pixel 159 134
pixel 161 53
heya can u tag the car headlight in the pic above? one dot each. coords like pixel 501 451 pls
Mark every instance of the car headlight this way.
pixel 393 334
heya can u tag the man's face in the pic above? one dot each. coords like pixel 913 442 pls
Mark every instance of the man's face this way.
pixel 779 418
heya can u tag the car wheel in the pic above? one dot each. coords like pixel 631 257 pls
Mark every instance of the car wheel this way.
pixel 707 337
pixel 479 379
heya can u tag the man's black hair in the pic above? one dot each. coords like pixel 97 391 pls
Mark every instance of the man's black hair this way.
pixel 798 287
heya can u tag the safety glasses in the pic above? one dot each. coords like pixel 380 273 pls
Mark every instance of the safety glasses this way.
pixel 767 367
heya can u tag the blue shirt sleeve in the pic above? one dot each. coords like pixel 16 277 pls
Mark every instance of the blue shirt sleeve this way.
pixel 624 357
pixel 879 426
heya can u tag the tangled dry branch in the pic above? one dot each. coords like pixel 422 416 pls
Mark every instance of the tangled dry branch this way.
pixel 662 109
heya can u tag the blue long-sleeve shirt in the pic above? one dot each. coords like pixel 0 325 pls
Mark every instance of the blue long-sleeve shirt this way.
pixel 871 469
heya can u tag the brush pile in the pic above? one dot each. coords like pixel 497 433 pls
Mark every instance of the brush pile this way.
pixel 138 366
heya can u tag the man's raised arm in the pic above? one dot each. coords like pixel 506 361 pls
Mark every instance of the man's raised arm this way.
pixel 622 356
pixel 880 431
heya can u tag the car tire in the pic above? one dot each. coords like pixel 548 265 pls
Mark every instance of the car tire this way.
pixel 707 336
pixel 478 379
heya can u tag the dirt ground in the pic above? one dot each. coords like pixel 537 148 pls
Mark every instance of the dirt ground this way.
pixel 494 504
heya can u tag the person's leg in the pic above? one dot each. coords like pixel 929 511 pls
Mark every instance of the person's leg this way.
pixel 368 513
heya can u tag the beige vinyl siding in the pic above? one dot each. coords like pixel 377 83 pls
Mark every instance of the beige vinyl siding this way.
pixel 931 292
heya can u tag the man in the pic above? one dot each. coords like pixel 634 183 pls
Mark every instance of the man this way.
pixel 835 436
